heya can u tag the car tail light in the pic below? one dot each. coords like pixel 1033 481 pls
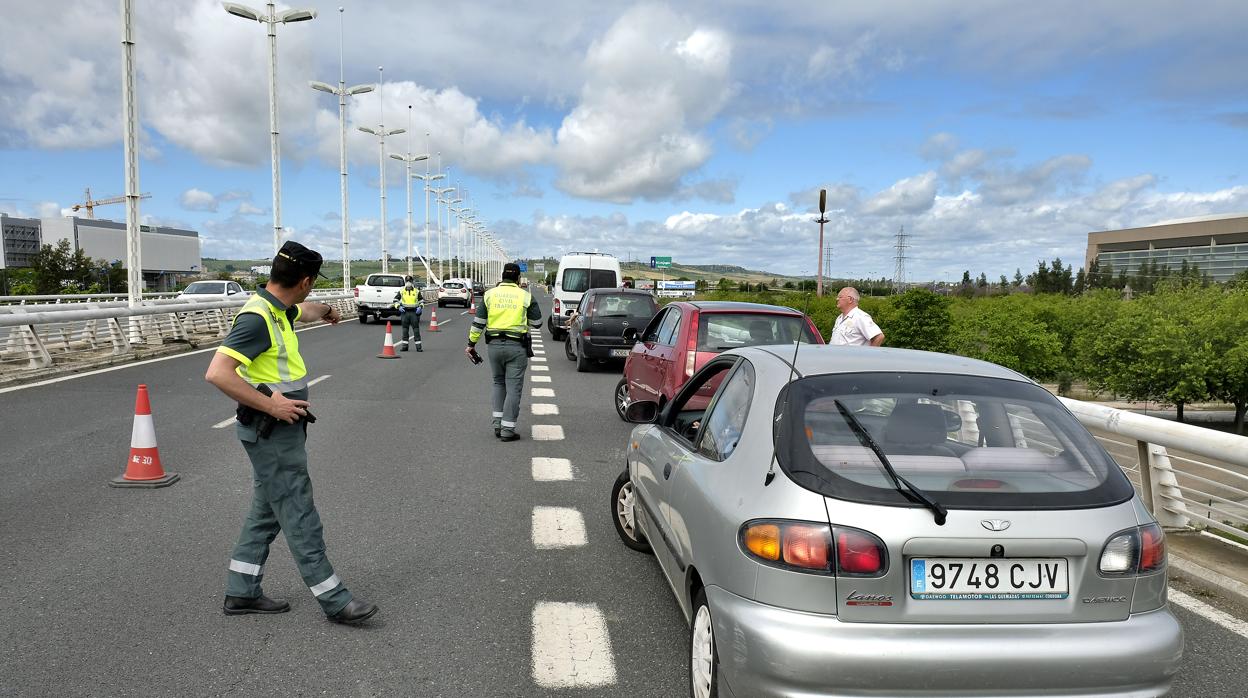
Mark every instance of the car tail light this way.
pixel 557 308
pixel 584 333
pixel 804 546
pixel 1137 551
pixel 357 291
pixel 691 347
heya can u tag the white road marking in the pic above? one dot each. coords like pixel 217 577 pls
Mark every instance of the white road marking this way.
pixel 318 379
pixel 131 364
pixel 224 423
pixel 551 469
pixel 540 367
pixel 540 379
pixel 539 359
pixel 547 432
pixel 571 647
pixel 542 392
pixel 1210 613
pixel 558 527
pixel 464 313
pixel 544 408
pixel 539 352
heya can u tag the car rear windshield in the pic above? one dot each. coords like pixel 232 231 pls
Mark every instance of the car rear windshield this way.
pixel 623 305
pixel 967 441
pixel 385 281
pixel 452 284
pixel 577 280
pixel 724 331
pixel 201 287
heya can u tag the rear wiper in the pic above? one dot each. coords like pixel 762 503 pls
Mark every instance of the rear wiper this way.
pixel 903 485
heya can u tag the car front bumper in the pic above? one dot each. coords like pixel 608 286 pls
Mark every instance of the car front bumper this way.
pixel 770 651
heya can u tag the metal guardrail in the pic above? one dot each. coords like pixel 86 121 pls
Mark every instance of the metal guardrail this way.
pixel 36 337
pixel 77 298
pixel 1185 474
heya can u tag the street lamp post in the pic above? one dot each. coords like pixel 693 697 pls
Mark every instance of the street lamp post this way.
pixel 271 20
pixel 438 194
pixel 425 180
pixel 450 243
pixel 407 160
pixel 342 91
pixel 823 218
pixel 381 134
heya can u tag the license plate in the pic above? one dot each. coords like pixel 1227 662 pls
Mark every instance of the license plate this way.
pixel 981 579
pixel 620 353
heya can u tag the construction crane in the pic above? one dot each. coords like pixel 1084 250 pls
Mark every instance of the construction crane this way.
pixel 90 204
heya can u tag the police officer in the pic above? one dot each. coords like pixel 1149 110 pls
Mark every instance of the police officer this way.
pixel 505 316
pixel 261 355
pixel 408 303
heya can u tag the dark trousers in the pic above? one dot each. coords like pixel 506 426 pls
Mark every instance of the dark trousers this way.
pixel 411 320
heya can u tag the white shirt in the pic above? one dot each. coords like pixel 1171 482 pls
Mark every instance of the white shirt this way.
pixel 854 327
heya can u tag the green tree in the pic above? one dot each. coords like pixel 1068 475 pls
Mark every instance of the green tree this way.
pixel 723 284
pixel 1005 330
pixel 1227 335
pixel 921 321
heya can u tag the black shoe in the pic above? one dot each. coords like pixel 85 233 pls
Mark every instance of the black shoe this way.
pixel 498 432
pixel 356 611
pixel 508 435
pixel 404 348
pixel 238 605
pixel 419 349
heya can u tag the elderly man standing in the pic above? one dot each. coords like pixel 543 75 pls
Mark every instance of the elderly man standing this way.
pixel 854 325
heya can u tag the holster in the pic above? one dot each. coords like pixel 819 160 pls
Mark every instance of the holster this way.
pixel 527 343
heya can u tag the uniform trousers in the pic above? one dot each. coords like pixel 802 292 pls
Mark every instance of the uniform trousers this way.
pixel 508 362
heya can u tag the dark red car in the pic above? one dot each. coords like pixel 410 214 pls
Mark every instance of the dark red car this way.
pixel 686 334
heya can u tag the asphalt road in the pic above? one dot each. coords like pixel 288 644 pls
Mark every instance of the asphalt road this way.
pixel 109 591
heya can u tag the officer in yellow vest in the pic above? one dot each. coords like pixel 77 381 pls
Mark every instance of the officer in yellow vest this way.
pixel 505 316
pixel 259 366
pixel 408 303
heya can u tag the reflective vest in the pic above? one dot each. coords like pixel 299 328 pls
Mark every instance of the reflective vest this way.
pixel 507 307
pixel 409 299
pixel 280 366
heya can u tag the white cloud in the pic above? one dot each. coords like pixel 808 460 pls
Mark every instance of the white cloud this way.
pixel 246 208
pixel 197 200
pixel 907 196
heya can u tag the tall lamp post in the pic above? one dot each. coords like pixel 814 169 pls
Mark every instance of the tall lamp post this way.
pixel 381 134
pixel 437 198
pixel 450 243
pixel 823 218
pixel 426 179
pixel 343 91
pixel 271 20
pixel 134 251
pixel 407 160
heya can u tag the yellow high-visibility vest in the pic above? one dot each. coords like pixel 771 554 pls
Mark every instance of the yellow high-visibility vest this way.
pixel 409 299
pixel 507 307
pixel 280 366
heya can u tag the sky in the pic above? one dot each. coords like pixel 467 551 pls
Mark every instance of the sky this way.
pixel 998 133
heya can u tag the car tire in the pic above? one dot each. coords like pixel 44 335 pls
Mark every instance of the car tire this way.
pixel 363 318
pixel 703 656
pixel 568 351
pixel 441 304
pixel 623 501
pixel 583 363
pixel 620 396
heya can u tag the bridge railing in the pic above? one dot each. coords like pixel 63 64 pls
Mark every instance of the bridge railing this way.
pixel 1186 475
pixel 41 336
pixel 76 298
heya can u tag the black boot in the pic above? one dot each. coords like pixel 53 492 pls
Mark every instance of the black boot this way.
pixel 356 611
pixel 238 605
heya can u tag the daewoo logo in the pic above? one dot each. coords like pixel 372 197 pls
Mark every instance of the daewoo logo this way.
pixel 995 524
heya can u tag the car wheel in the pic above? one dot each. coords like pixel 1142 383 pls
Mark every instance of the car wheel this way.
pixel 567 349
pixel 583 363
pixel 623 501
pixel 703 657
pixel 621 397
pixel 441 304
pixel 363 319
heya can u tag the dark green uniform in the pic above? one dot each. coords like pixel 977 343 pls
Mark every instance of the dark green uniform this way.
pixel 263 341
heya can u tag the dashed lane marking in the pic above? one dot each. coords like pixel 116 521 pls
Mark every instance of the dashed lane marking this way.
pixel 1208 612
pixel 551 469
pixel 540 367
pixel 539 359
pixel 558 527
pixel 318 379
pixel 224 423
pixel 539 352
pixel 542 392
pixel 547 432
pixel 571 647
pixel 540 379
pixel 544 408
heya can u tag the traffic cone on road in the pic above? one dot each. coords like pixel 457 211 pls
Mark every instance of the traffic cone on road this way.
pixel 473 308
pixel 387 347
pixel 433 319
pixel 143 468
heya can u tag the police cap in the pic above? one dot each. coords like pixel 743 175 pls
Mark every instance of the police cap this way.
pixel 305 259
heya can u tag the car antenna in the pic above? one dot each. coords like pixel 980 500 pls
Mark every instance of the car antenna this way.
pixel 797 344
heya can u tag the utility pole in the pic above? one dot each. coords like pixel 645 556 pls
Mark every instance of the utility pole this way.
pixel 899 272
pixel 823 218
pixel 134 252
pixel 381 134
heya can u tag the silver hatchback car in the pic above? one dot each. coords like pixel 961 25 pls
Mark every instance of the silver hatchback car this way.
pixel 878 522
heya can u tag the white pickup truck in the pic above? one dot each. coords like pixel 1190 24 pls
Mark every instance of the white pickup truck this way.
pixel 375 297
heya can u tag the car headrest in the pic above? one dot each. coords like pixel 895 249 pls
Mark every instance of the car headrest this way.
pixel 916 423
pixel 760 331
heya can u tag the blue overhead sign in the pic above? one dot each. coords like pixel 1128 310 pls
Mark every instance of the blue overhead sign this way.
pixel 524 266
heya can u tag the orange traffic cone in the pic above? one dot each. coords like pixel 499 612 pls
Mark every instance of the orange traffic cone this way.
pixel 143 468
pixel 433 319
pixel 473 308
pixel 387 348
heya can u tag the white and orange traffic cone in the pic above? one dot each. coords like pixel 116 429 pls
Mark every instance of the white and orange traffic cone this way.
pixel 433 319
pixel 143 468
pixel 387 347
pixel 473 308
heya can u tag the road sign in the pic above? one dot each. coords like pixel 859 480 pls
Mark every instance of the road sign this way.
pixel 524 266
pixel 660 262
pixel 539 267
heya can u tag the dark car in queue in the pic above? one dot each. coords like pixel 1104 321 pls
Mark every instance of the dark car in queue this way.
pixel 596 329
pixel 687 334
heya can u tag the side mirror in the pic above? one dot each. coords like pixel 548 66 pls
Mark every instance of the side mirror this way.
pixel 641 412
pixel 230 292
pixel 630 333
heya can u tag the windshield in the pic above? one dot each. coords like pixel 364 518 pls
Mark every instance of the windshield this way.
pixel 624 305
pixel 724 331
pixel 205 287
pixel 577 280
pixel 452 285
pixel 385 281
pixel 967 441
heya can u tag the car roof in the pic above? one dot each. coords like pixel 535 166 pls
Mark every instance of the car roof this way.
pixel 738 307
pixel 817 359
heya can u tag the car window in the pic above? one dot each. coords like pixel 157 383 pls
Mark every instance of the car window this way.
pixel 688 407
pixel 575 280
pixel 204 287
pixel 385 281
pixel 724 331
pixel 624 305
pixel 670 328
pixel 452 285
pixel 652 330
pixel 726 419
pixel 603 278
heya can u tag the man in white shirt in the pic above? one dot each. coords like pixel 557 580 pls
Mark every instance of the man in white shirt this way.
pixel 854 325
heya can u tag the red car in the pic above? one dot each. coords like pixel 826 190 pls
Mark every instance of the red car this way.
pixel 686 334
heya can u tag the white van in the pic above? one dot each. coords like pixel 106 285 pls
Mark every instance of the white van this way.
pixel 579 272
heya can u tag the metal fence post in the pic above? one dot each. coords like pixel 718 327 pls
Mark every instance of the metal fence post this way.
pixel 39 356
pixel 1159 488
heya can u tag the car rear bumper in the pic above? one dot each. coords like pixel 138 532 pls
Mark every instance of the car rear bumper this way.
pixel 559 321
pixel 770 651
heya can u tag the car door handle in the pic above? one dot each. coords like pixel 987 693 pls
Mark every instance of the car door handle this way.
pixel 667 470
